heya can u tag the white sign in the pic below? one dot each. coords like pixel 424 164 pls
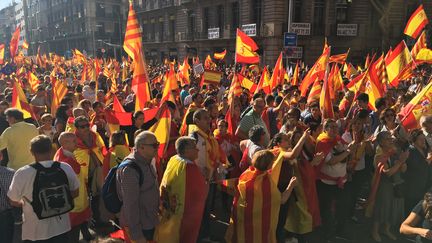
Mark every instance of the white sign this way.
pixel 347 30
pixel 301 28
pixel 294 52
pixel 213 33
pixel 249 29
pixel 198 68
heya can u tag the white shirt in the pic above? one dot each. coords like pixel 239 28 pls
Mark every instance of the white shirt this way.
pixel 89 94
pixel 21 188
pixel 361 163
pixel 336 170
pixel 187 101
pixel 201 161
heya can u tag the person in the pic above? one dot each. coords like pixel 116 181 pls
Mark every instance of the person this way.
pixel 118 150
pixel 52 229
pixel 426 125
pixel 183 193
pixel 80 214
pixel 417 175
pixel 418 222
pixel 19 154
pixel 256 185
pixel 254 144
pixel 6 210
pixel 313 119
pixel 46 127
pixel 389 123
pixel 139 213
pixel 89 92
pixel 197 102
pixel 380 200
pixel 252 118
pixel 380 105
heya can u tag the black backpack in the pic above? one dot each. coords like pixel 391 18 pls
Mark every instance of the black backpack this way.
pixel 51 192
pixel 109 189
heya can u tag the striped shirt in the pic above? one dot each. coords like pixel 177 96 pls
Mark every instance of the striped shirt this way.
pixel 6 175
pixel 251 119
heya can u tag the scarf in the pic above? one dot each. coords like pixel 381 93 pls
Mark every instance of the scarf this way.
pixel 213 156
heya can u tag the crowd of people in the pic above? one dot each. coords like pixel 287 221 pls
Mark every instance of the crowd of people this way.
pixel 277 166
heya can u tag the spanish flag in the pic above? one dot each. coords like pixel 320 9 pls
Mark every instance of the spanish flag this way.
pixel 295 77
pixel 374 86
pixel 255 209
pixel 325 99
pixel 420 44
pixel 277 77
pixel 315 92
pixel 247 83
pixel 25 45
pixel 420 105
pixel 33 81
pixel 133 47
pixel 208 63
pixel 219 55
pixel 416 23
pixel 264 82
pixel 19 101
pixel 59 91
pixel 2 51
pixel 335 81
pixel 316 73
pixel 398 64
pixel 184 72
pixel 162 130
pixel 339 58
pixel 211 77
pixel 13 45
pixel 245 49
pixel 424 56
pixel 183 194
pixel 349 70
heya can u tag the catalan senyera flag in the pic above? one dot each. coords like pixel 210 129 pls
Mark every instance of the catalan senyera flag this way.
pixel 420 44
pixel 424 56
pixel 339 58
pixel 39 61
pixel 245 49
pixel 325 99
pixel 2 51
pixel 79 56
pixel 247 83
pixel 59 91
pixel 264 82
pixel 183 192
pixel 315 92
pixel 255 209
pixel 316 72
pixel 13 45
pixel 416 22
pixel 25 45
pixel 277 77
pixel 19 101
pixel 398 64
pixel 420 105
pixel 33 81
pixel 219 55
pixel 133 47
pixel 335 81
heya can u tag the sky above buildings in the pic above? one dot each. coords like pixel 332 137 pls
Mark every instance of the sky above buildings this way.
pixel 5 3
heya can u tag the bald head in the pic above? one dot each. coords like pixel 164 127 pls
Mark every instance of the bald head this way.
pixel 76 112
pixel 68 141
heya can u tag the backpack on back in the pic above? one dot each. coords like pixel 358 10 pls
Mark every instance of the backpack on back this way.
pixel 51 192
pixel 110 196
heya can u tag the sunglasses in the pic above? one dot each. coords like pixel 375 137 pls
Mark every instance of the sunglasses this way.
pixel 154 145
pixel 83 126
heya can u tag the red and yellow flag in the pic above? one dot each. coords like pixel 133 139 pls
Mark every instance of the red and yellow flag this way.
pixel 183 195
pixel 13 45
pixel 33 81
pixel 19 101
pixel 183 72
pixel 208 63
pixel 315 92
pixel 335 81
pixel 420 44
pixel 161 129
pixel 398 64
pixel 296 74
pixel 247 83
pixel 339 58
pixel 59 91
pixel 2 51
pixel 211 77
pixel 133 47
pixel 349 70
pixel 255 208
pixel 264 82
pixel 219 55
pixel 25 45
pixel 325 100
pixel 245 49
pixel 416 22
pixel 277 77
pixel 420 105
pixel 424 56
pixel 316 73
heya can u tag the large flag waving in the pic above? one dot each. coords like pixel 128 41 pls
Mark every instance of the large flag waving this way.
pixel 245 49
pixel 420 44
pixel 220 55
pixel 278 73
pixel 133 47
pixel 416 23
pixel 316 73
pixel 398 64
pixel 13 45
pixel 418 106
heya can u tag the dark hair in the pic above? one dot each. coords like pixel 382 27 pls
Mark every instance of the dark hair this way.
pixel 96 104
pixel 363 97
pixel 195 96
pixel 61 113
pixel 380 103
pixel 41 144
pixel 314 104
pixel 427 205
pixel 269 98
pixel 15 113
pixel 117 138
pixel 415 134
pixel 256 96
pixel 209 102
pixel 277 139
pixel 256 132
pixel 383 114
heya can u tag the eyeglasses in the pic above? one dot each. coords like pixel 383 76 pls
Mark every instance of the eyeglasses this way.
pixel 154 145
pixel 83 126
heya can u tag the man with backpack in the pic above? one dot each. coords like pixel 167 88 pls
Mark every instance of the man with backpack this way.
pixel 45 190
pixel 138 190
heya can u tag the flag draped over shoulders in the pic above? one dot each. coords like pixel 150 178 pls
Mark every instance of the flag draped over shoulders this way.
pixel 183 193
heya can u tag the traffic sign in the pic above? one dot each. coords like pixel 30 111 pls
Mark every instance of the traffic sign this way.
pixel 290 39
pixel 294 52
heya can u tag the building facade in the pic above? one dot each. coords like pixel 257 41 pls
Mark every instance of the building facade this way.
pixel 7 25
pixel 20 21
pixel 175 28
pixel 92 26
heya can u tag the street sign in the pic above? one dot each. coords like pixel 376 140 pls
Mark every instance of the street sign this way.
pixel 213 33
pixel 301 28
pixel 294 52
pixel 290 39
pixel 347 29
pixel 249 29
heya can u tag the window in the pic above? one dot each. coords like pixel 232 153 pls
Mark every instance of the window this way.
pixel 297 11
pixel 100 10
pixel 235 15
pixel 205 21
pixel 221 16
pixel 161 29
pixel 318 18
pixel 191 23
pixel 256 11
pixel 341 11
pixel 172 27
